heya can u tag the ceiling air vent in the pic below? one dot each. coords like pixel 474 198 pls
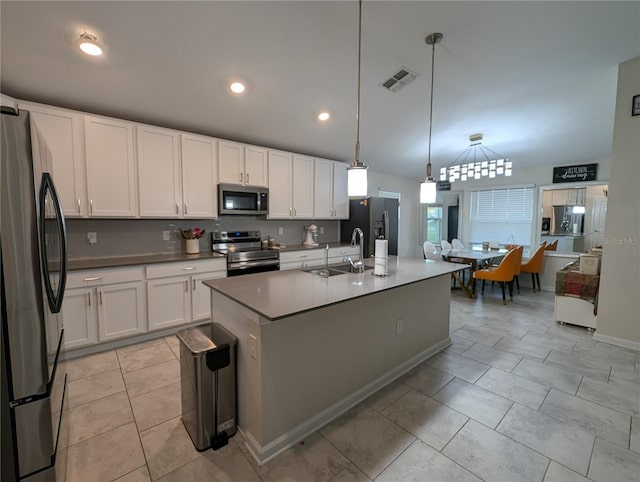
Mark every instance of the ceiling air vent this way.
pixel 401 78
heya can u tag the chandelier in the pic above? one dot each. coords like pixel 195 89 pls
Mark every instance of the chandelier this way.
pixel 476 162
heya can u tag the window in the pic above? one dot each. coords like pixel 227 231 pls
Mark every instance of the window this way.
pixel 432 223
pixel 503 215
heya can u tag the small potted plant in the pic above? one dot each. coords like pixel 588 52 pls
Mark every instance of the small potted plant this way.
pixel 191 237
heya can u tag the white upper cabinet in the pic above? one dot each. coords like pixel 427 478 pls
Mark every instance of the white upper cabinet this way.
pixel 159 172
pixel 323 196
pixel 242 164
pixel 280 185
pixel 340 191
pixel 255 166
pixel 231 162
pixel 62 132
pixel 110 160
pixel 199 176
pixel 330 197
pixel 302 187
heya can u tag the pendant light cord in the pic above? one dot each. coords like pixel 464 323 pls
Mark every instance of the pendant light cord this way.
pixel 357 158
pixel 433 58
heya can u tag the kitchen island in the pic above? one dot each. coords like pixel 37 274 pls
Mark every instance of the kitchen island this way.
pixel 310 348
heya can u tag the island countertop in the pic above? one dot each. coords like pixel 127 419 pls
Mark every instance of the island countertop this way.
pixel 278 294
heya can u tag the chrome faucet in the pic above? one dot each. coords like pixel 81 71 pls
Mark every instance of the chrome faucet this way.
pixel 358 266
pixel 326 262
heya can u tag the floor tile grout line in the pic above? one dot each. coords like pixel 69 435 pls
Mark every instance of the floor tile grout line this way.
pixel 144 454
pixel 319 431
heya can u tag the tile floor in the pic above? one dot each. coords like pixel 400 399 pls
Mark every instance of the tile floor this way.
pixel 517 397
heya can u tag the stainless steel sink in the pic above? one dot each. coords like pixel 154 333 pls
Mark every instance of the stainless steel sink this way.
pixel 346 267
pixel 322 272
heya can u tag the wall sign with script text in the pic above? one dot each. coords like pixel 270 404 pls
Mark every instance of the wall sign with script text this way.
pixel 581 173
pixel 443 186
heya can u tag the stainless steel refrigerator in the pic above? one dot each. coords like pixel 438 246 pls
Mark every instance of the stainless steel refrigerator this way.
pixel 33 260
pixel 378 218
pixel 567 219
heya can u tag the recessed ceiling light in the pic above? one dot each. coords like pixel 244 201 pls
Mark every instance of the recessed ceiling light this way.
pixel 324 116
pixel 89 44
pixel 237 87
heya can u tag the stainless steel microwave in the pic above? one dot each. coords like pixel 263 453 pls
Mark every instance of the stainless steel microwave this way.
pixel 234 199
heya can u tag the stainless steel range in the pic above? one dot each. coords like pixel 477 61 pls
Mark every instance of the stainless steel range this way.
pixel 243 251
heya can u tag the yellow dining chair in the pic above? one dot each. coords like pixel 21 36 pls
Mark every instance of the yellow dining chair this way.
pixel 503 274
pixel 552 246
pixel 534 266
pixel 517 266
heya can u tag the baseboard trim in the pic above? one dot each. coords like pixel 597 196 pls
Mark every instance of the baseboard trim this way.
pixel 274 448
pixel 612 340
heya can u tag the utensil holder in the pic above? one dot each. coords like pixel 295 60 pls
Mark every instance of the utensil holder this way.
pixel 193 246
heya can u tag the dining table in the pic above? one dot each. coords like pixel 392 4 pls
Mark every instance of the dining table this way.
pixel 476 258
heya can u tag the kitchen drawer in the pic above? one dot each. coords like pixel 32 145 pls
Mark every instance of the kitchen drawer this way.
pixel 301 256
pixel 97 277
pixel 163 270
pixel 343 251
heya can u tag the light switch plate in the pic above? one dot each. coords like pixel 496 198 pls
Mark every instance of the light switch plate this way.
pixel 166 235
pixel 280 231
pixel 253 346
pixel 92 238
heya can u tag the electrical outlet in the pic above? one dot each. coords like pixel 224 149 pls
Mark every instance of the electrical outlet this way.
pixel 280 231
pixel 93 238
pixel 321 229
pixel 166 235
pixel 399 324
pixel 253 346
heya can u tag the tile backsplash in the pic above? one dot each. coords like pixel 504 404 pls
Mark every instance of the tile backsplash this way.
pixel 130 237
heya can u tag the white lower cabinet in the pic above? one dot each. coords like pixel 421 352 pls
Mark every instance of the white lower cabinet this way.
pixel 175 294
pixel 80 318
pixel 102 305
pixel 121 310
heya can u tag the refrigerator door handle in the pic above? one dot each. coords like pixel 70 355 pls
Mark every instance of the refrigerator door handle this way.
pixel 47 187
pixel 385 217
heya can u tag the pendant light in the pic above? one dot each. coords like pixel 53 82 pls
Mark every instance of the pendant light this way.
pixel 428 185
pixel 357 171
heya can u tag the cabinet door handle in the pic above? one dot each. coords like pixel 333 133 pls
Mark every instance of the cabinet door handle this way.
pixel 91 206
pixel 94 278
pixel 290 211
pixel 240 177
pixel 186 285
pixel 294 212
pixel 89 296
pixel 189 268
pixel 186 209
pixel 100 293
pixel 193 284
pixel 78 205
pixel 303 256
pixel 247 178
pixel 177 208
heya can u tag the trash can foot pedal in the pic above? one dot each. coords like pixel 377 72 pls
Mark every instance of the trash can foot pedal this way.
pixel 220 440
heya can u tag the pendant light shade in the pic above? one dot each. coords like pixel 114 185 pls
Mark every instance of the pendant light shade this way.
pixel 428 184
pixel 428 191
pixel 357 171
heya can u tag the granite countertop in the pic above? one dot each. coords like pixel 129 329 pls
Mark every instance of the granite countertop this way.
pixel 114 262
pixel 118 261
pixel 302 247
pixel 278 294
pixel 566 235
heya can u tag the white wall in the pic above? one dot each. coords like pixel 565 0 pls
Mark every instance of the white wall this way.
pixel 619 303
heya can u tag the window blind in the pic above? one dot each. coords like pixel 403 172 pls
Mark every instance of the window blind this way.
pixel 503 215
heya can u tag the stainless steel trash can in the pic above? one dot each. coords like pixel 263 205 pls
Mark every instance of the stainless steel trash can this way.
pixel 198 386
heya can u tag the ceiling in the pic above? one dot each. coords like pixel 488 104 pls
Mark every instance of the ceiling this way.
pixel 538 79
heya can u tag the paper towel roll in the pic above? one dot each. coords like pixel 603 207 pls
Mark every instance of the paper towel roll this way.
pixel 381 266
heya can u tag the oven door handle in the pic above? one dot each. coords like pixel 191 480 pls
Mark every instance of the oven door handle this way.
pixel 252 264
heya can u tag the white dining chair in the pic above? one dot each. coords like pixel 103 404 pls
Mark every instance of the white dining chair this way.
pixel 429 251
pixel 457 244
pixel 445 245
